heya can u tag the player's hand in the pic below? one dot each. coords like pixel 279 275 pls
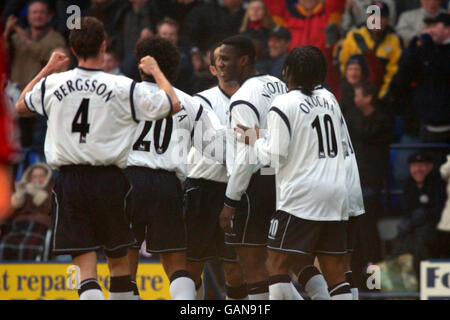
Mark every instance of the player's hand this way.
pixel 149 65
pixel 246 135
pixel 226 218
pixel 58 62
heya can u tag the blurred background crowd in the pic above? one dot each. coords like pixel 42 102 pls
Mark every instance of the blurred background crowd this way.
pixel 391 76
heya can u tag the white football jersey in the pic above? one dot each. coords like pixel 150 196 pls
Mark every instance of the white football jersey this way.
pixel 355 197
pixel 165 144
pixel 304 142
pixel 92 115
pixel 201 167
pixel 249 106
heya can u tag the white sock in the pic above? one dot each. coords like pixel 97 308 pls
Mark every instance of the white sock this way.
pixel 259 296
pixel 182 288
pixel 90 290
pixel 317 288
pixel 355 293
pixel 129 295
pixel 314 283
pixel 341 291
pixel 281 288
pixel 92 294
pixel 200 291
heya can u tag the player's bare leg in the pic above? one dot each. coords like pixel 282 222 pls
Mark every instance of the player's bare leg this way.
pixel 120 284
pixel 182 286
pixel 280 287
pixel 253 262
pixel 333 268
pixel 89 287
pixel 236 288
pixel 195 269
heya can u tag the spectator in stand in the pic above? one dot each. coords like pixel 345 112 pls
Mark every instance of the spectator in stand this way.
pixel 426 65
pixel 310 23
pixel 356 72
pixel 257 23
pixel 177 9
pixel 356 12
pixel 111 62
pixel 279 44
pixel 381 49
pixel 134 20
pixel 371 133
pixel 29 50
pixel 24 234
pixel 212 22
pixel 169 29
pixel 424 198
pixel 411 23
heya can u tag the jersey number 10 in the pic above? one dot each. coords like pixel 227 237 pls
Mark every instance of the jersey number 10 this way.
pixel 332 148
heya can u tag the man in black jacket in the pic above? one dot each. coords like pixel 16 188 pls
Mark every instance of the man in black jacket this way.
pixel 424 198
pixel 426 65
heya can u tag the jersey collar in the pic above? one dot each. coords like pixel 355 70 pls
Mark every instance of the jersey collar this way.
pixel 88 69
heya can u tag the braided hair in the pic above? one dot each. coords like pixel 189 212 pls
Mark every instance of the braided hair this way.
pixel 305 67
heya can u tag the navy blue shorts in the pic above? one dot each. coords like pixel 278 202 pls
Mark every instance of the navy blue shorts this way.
pixel 155 208
pixel 90 211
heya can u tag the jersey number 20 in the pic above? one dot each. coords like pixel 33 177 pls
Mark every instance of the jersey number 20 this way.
pixel 144 145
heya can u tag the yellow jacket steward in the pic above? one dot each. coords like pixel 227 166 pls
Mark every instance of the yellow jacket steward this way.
pixel 388 50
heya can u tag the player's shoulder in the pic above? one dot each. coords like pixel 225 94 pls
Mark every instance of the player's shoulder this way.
pixel 208 96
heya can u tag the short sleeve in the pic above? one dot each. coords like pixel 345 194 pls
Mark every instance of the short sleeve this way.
pixel 35 99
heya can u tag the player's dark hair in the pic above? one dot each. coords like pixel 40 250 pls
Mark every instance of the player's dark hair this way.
pixel 243 46
pixel 165 54
pixel 305 68
pixel 87 40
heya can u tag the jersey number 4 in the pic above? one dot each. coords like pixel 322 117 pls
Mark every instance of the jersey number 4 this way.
pixel 80 122
pixel 332 148
pixel 144 145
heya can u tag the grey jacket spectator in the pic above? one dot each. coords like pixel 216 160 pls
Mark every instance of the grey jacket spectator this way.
pixel 132 20
pixel 410 23
pixel 278 44
pixel 355 13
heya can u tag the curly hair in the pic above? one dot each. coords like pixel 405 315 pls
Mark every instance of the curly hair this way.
pixel 87 40
pixel 165 54
pixel 305 67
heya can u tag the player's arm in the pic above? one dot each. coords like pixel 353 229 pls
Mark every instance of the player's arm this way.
pixel 58 62
pixel 244 160
pixel 271 147
pixel 149 66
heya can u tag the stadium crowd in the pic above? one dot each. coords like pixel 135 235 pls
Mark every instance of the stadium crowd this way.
pixel 392 83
